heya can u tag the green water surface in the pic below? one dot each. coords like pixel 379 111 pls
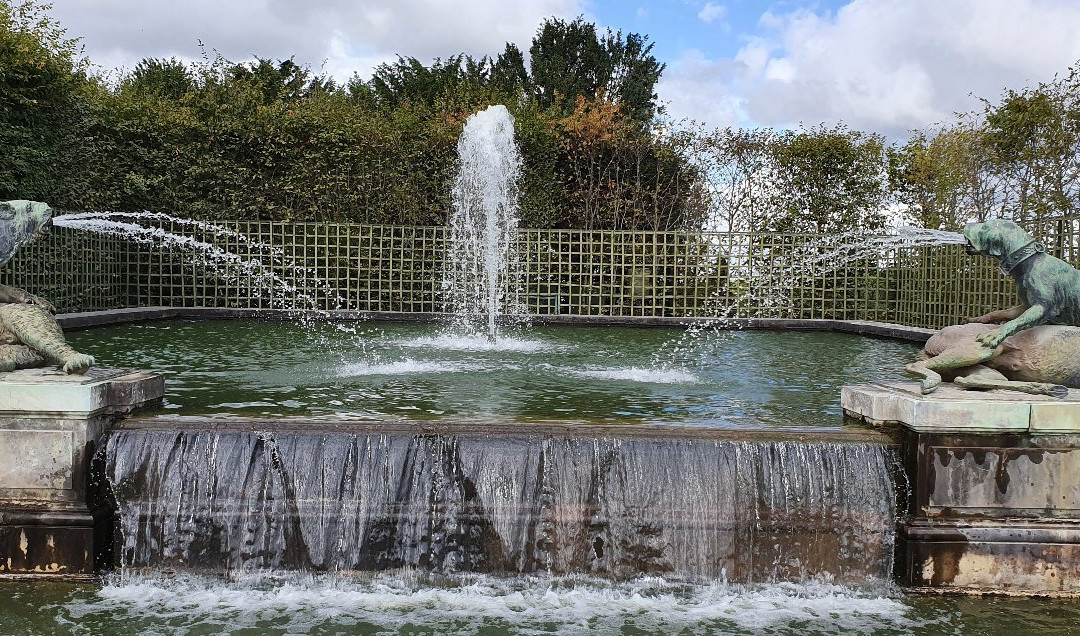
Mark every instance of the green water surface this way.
pixel 730 379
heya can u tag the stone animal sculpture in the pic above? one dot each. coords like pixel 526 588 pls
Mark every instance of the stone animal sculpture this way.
pixel 29 334
pixel 1036 346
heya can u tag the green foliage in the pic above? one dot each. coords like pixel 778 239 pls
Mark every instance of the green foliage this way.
pixel 271 139
pixel 828 180
pixel 570 60
pixel 812 181
pixel 1033 139
pixel 508 75
pixel 170 79
pixel 943 179
pixel 1019 158
pixel 40 78
pixel 737 165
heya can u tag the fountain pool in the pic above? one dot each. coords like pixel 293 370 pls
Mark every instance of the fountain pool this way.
pixel 417 375
pixel 604 375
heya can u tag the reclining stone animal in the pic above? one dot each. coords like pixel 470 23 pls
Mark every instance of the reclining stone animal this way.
pixel 29 334
pixel 1036 346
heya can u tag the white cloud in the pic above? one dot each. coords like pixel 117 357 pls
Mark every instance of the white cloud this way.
pixel 711 12
pixel 695 87
pixel 348 36
pixel 884 65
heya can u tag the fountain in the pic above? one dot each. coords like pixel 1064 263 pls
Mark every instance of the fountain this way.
pixel 626 497
pixel 482 266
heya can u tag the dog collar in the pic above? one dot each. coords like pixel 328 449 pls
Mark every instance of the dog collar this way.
pixel 1009 262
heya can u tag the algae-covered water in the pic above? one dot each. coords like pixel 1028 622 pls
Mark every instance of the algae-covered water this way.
pixel 731 379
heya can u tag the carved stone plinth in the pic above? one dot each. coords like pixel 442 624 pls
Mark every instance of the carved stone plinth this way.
pixel 994 504
pixel 50 426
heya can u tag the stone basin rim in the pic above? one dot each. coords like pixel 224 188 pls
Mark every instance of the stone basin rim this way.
pixel 91 319
pixel 499 429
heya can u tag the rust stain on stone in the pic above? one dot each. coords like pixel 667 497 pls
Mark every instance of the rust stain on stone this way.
pixel 1001 474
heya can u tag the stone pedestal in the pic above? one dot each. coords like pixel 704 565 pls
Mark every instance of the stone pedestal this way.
pixel 50 426
pixel 994 501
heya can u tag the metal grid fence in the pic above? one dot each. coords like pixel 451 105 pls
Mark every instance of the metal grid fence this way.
pixel 252 264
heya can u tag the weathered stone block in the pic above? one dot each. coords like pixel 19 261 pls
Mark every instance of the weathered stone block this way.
pixel 1022 558
pixel 36 459
pixel 50 425
pixel 952 409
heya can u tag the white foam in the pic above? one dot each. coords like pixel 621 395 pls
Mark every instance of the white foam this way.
pixel 408 366
pixel 525 605
pixel 455 342
pixel 638 374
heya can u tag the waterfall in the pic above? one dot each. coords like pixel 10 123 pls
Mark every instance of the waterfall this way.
pixel 481 261
pixel 686 508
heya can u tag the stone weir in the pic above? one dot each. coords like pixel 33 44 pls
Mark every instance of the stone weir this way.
pixel 232 495
pixel 995 486
pixel 51 524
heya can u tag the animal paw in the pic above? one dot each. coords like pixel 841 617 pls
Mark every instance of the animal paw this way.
pixel 41 302
pixel 1053 390
pixel 78 363
pixel 26 297
pixel 991 339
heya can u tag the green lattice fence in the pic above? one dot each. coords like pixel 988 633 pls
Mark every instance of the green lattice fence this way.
pixel 572 272
pixel 76 271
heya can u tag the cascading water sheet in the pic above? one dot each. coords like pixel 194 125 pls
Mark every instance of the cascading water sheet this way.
pixel 686 509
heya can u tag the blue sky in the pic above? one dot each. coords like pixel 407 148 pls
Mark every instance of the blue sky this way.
pixel 715 28
pixel 887 66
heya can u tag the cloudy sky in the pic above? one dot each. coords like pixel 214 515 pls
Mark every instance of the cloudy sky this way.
pixel 882 65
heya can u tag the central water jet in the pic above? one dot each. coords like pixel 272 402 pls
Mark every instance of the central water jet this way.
pixel 481 264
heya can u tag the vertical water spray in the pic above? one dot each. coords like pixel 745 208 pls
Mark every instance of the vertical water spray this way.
pixel 481 263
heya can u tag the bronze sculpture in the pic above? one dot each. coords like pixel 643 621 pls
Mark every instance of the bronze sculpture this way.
pixel 29 334
pixel 1035 347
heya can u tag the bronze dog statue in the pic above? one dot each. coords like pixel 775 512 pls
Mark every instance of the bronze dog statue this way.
pixel 29 334
pixel 1036 348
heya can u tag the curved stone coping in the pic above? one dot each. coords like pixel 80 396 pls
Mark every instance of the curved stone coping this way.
pixel 90 319
pixel 951 409
pixel 502 428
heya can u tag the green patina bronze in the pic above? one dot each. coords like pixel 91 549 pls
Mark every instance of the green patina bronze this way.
pixel 29 334
pixel 1031 347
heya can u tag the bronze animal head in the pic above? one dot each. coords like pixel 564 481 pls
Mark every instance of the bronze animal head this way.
pixel 996 237
pixel 20 222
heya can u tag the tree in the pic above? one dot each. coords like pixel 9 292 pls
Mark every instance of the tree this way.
pixel 737 165
pixel 169 79
pixel 634 74
pixel 828 181
pixel 944 179
pixel 41 74
pixel 569 60
pixel 409 81
pixel 509 76
pixel 285 81
pixel 1033 138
